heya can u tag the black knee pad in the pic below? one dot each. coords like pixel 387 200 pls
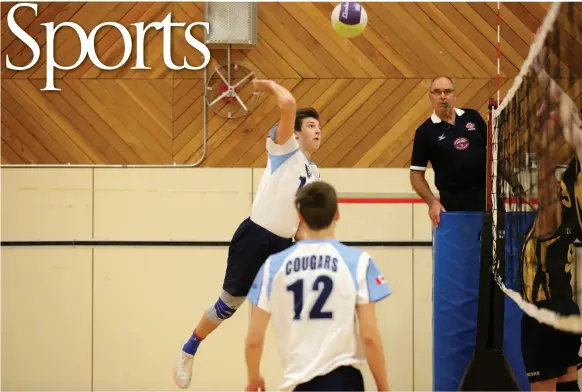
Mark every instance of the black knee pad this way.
pixel 567 386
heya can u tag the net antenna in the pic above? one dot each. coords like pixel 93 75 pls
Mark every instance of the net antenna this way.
pixel 228 91
pixel 524 124
pixel 498 51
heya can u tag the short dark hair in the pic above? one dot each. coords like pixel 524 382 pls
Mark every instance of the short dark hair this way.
pixel 317 204
pixel 303 113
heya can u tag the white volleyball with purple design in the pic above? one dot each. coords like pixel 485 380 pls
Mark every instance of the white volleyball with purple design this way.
pixel 349 19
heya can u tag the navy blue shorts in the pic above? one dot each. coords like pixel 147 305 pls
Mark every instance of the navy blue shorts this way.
pixel 249 248
pixel 343 378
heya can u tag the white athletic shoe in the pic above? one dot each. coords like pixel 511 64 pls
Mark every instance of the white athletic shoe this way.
pixel 183 370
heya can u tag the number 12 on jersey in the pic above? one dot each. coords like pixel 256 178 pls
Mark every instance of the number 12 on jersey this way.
pixel 316 312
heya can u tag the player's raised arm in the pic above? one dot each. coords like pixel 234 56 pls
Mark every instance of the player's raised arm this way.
pixel 571 123
pixel 567 112
pixel 287 105
pixel 556 114
pixel 549 203
pixel 568 117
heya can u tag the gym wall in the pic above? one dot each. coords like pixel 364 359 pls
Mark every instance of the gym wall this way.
pixel 113 318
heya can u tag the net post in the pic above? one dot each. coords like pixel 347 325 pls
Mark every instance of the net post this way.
pixel 486 284
pixel 489 369
pixel 498 258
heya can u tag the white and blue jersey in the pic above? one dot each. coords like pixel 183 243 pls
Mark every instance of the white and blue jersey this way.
pixel 288 169
pixel 311 291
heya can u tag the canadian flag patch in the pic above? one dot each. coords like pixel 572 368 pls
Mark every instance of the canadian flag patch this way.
pixel 380 279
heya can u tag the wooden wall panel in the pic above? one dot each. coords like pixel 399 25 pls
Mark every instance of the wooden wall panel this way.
pixel 371 90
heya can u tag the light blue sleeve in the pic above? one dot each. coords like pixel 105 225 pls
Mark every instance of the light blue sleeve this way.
pixel 254 294
pixel 279 153
pixel 376 284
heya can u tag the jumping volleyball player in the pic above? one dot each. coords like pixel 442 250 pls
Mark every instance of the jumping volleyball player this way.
pixel 313 292
pixel 550 355
pixel 273 221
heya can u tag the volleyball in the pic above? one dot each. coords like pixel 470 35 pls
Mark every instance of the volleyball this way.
pixel 349 19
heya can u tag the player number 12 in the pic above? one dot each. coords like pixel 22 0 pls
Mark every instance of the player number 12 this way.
pixel 316 310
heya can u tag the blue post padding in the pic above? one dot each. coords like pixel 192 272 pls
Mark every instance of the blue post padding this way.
pixel 456 258
pixel 455 297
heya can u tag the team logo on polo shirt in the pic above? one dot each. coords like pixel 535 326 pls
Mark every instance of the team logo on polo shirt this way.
pixel 461 143
pixel 471 126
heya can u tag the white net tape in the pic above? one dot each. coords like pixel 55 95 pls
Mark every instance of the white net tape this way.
pixel 571 323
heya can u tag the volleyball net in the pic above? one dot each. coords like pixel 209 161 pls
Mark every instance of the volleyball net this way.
pixel 535 131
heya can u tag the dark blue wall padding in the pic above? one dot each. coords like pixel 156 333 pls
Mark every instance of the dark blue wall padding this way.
pixel 456 290
pixel 456 258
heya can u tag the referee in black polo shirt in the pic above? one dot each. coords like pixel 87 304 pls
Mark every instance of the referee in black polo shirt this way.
pixel 454 141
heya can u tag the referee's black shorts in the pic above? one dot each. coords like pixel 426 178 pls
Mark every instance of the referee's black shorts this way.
pixel 464 199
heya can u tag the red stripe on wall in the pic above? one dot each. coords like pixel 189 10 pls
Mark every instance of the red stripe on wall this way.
pixel 400 200
pixel 380 200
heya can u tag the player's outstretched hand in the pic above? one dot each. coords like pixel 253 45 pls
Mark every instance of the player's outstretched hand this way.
pixel 568 114
pixel 284 97
pixel 257 384
pixel 264 86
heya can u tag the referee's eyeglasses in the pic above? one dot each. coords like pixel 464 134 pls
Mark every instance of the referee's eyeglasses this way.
pixel 447 92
